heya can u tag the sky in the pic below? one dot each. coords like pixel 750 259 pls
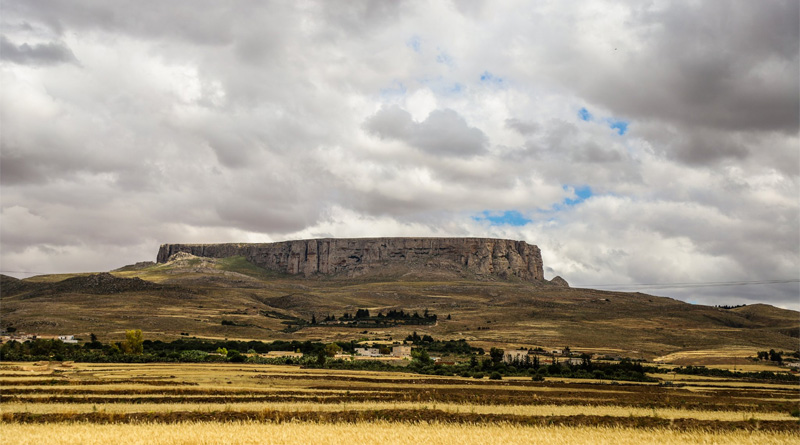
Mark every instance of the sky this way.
pixel 643 145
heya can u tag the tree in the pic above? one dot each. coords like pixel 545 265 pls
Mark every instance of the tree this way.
pixel 496 354
pixel 222 351
pixel 362 313
pixel 421 356
pixel 133 342
pixel 331 349
pixel 92 337
pixel 313 319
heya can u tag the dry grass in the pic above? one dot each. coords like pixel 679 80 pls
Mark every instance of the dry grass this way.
pixel 370 433
pixel 635 325
pixel 230 403
pixel 517 410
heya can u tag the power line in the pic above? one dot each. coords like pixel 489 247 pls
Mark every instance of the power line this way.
pixel 689 285
pixel 26 271
pixel 686 285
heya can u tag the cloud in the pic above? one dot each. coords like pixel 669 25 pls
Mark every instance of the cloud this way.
pixel 443 132
pixel 52 53
pixel 658 144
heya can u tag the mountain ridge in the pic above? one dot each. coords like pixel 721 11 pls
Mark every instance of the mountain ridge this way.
pixel 353 257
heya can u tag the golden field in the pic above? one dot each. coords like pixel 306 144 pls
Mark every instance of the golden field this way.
pixel 370 433
pixel 242 403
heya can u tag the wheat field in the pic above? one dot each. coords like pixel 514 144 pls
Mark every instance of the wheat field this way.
pixel 516 410
pixel 226 403
pixel 369 433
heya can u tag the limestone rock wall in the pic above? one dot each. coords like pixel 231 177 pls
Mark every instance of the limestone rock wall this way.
pixel 481 256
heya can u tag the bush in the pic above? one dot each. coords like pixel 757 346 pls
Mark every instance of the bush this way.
pixel 537 378
pixel 236 357
pixel 477 375
pixel 495 376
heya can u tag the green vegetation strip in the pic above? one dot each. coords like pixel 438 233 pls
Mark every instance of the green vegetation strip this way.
pixel 273 416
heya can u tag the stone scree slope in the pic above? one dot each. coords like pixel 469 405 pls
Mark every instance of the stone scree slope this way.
pixel 356 256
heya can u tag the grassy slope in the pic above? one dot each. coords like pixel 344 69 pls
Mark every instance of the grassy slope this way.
pixel 204 292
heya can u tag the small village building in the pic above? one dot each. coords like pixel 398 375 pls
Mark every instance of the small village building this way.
pixel 515 356
pixel 275 354
pixel 401 351
pixel 67 338
pixel 368 352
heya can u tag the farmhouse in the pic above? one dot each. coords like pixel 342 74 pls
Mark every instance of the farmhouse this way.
pixel 67 338
pixel 401 351
pixel 273 354
pixel 368 352
pixel 515 355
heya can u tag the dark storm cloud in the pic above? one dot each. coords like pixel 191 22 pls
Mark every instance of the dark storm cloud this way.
pixel 731 65
pixel 697 67
pixel 38 54
pixel 443 132
pixel 205 22
pixel 522 127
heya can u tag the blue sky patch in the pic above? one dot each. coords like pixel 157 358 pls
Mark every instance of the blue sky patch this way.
pixel 414 43
pixel 444 58
pixel 491 78
pixel 397 89
pixel 506 218
pixel 583 193
pixel 620 126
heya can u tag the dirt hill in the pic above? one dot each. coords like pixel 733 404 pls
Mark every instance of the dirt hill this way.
pixel 232 298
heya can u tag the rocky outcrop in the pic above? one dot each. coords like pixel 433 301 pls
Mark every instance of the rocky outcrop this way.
pixel 355 256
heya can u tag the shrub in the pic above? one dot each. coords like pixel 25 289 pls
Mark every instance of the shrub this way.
pixel 477 375
pixel 495 376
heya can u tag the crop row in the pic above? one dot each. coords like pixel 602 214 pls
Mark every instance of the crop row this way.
pixel 401 415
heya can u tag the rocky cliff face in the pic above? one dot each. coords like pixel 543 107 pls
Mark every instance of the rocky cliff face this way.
pixel 480 256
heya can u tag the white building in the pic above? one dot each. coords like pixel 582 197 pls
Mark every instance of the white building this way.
pixel 515 355
pixel 67 338
pixel 368 352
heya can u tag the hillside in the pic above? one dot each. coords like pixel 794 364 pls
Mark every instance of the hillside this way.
pixel 193 296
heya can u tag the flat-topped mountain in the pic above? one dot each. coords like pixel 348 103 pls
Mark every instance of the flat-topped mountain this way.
pixel 479 257
pixel 230 297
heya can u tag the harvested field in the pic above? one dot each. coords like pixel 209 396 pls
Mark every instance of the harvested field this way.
pixel 372 432
pixel 127 399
